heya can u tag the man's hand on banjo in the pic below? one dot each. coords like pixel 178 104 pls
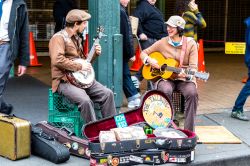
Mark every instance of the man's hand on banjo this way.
pixel 98 49
pixel 86 66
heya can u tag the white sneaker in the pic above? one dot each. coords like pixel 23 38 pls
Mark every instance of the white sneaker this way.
pixel 134 103
pixel 137 102
pixel 135 81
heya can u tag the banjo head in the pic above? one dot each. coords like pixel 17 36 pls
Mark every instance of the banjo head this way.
pixel 82 79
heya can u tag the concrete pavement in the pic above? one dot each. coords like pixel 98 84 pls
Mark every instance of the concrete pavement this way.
pixel 205 154
pixel 216 98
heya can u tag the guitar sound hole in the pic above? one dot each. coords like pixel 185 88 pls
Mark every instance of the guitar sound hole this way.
pixel 163 67
pixel 154 72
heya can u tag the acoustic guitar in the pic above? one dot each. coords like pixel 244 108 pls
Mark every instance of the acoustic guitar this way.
pixel 167 68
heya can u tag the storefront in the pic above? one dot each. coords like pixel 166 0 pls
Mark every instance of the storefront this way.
pixel 224 19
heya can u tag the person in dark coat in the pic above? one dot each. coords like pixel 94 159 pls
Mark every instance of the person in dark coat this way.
pixel 151 28
pixel 14 43
pixel 237 111
pixel 151 23
pixel 129 89
pixel 60 10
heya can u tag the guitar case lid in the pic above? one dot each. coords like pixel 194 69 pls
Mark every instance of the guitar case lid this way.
pixel 155 109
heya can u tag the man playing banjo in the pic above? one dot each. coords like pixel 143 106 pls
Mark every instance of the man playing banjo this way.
pixel 64 48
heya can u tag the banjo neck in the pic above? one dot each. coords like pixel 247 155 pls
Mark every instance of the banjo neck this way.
pixel 97 40
pixel 92 51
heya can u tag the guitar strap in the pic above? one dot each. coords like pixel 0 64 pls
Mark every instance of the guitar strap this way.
pixel 183 50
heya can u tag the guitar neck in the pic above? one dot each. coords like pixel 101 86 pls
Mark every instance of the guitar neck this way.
pixel 197 74
pixel 92 51
pixel 174 69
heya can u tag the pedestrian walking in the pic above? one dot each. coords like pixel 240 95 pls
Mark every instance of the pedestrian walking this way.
pixel 237 111
pixel 14 43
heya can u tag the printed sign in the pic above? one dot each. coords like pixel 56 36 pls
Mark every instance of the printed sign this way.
pixel 235 48
pixel 120 121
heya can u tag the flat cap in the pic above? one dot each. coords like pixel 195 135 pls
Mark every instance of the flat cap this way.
pixel 77 15
pixel 176 21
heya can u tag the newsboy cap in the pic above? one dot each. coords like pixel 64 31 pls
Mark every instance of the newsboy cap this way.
pixel 176 21
pixel 77 15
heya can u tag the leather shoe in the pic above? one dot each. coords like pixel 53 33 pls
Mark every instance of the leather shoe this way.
pixel 7 109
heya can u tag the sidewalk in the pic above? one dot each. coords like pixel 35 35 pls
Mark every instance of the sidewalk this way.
pixel 23 89
pixel 205 154
pixel 216 98
pixel 224 154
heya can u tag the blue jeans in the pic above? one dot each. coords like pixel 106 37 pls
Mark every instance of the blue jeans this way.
pixel 5 66
pixel 244 93
pixel 129 89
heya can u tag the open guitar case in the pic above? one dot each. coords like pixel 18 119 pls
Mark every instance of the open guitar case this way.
pixel 152 150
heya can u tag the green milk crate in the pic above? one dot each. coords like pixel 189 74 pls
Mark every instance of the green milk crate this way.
pixel 63 113
pixel 74 124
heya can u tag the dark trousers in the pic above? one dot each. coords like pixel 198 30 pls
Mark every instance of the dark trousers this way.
pixel 85 99
pixel 5 66
pixel 189 91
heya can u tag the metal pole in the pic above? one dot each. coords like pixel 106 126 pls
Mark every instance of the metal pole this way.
pixel 108 66
pixel 226 19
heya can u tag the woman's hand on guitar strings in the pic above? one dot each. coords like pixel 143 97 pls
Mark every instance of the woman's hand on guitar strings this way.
pixel 153 62
pixel 98 49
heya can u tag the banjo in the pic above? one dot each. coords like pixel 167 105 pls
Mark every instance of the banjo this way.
pixel 84 79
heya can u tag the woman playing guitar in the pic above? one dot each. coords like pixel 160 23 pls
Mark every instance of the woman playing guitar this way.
pixel 184 51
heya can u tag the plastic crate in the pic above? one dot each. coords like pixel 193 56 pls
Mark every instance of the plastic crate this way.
pixel 178 102
pixel 63 113
pixel 59 104
pixel 74 124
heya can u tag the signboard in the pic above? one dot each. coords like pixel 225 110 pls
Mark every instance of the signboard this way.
pixel 120 121
pixel 235 48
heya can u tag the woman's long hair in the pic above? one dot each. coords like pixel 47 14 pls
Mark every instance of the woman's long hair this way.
pixel 181 6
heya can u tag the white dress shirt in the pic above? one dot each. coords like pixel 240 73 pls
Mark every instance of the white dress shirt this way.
pixel 4 22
